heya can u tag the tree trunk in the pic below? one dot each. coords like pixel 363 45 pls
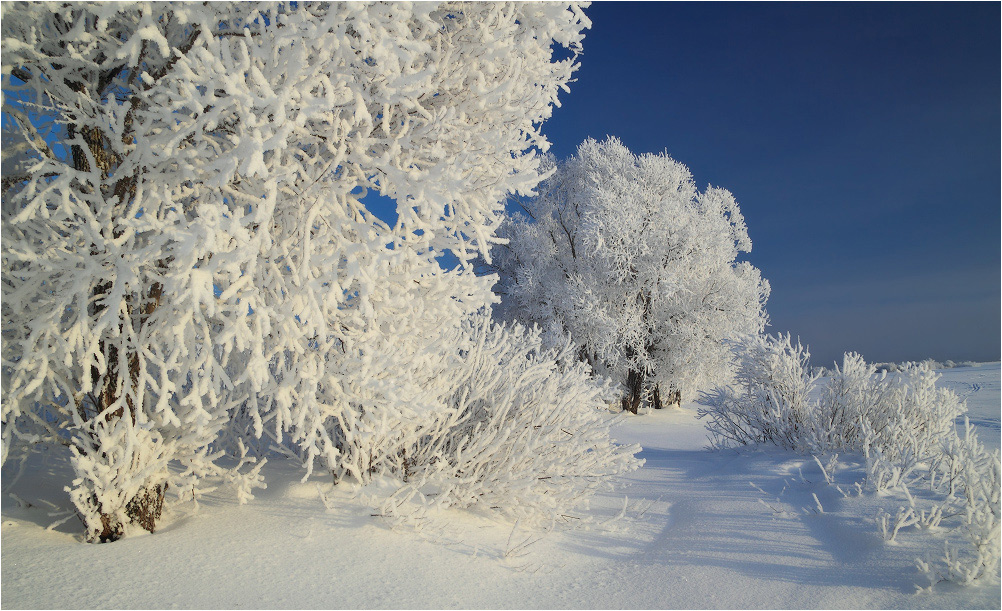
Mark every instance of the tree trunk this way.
pixel 144 509
pixel 672 397
pixel 635 391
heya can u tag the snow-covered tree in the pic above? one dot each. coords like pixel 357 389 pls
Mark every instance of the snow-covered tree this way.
pixel 624 253
pixel 188 246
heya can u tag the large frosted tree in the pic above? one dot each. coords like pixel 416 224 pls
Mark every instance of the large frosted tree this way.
pixel 623 252
pixel 186 243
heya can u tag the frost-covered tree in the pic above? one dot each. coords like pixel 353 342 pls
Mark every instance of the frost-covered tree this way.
pixel 188 245
pixel 624 253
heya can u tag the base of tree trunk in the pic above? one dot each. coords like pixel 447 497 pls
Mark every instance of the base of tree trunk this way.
pixel 656 398
pixel 672 397
pixel 631 404
pixel 144 509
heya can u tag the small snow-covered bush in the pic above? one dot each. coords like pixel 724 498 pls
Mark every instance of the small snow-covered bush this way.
pixel 770 399
pixel 900 416
pixel 858 410
pixel 967 479
pixel 904 426
pixel 527 434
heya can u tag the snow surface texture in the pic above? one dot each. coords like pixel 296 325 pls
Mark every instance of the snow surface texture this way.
pixel 724 529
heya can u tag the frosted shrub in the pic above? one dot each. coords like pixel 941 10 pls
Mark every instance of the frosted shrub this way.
pixel 624 253
pixel 967 479
pixel 854 404
pixel 858 410
pixel 904 426
pixel 770 400
pixel 527 435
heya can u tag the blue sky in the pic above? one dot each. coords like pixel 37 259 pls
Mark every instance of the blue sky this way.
pixel 861 141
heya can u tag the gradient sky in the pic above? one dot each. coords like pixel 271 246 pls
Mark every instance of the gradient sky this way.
pixel 862 142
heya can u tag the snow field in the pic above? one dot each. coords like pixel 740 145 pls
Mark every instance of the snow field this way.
pixel 702 529
pixel 979 386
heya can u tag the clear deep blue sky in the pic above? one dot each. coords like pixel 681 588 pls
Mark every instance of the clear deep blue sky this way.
pixel 862 142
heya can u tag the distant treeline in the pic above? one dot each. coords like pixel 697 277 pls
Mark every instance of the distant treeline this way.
pixel 896 367
pixel 947 364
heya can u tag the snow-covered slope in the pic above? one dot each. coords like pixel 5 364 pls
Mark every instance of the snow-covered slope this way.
pixel 701 529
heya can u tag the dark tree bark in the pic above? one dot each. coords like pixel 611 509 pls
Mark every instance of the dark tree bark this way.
pixel 674 395
pixel 635 391
pixel 146 507
pixel 656 397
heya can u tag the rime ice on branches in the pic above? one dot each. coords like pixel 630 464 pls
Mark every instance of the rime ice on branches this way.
pixel 186 248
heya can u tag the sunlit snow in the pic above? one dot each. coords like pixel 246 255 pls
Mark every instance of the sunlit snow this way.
pixel 701 529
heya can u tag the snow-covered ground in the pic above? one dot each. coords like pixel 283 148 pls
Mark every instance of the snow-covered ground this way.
pixel 701 529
